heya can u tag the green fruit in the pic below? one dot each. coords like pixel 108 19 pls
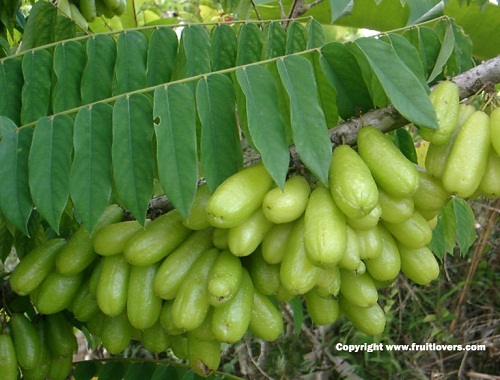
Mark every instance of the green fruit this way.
pixel 287 204
pixel 60 338
pixel 350 259
pixel 387 265
pixel 155 339
pixel 41 370
pixel 204 331
pixel 220 238
pixel 8 360
pixel 112 288
pixel 325 236
pixel 112 214
pixel 160 238
pixel 57 292
pixel 224 278
pixel 26 340
pixel 392 171
pixel 166 319
pixel 175 267
pixel 35 266
pixel 368 221
pixel 358 289
pixel 244 238
pixel 413 233
pixel 143 305
pixel 197 219
pixel 419 264
pixel 297 273
pixel 60 367
pixel 265 276
pixel 95 275
pixel 122 6
pixel 328 285
pixel 64 7
pixel 191 303
pixel 111 239
pixel 490 182
pixel 351 183
pixel 274 243
pixel 321 310
pixel 88 9
pixel 266 322
pixel 179 346
pixel 466 163
pixel 430 194
pixel 231 320
pixel 369 320
pixel 203 355
pixel 77 255
pixel 445 100
pixel 395 210
pixel 94 324
pixel 370 243
pixel 238 197
pixel 77 17
pixel 116 333
pixel 495 129
pixel 112 4
pixel 84 305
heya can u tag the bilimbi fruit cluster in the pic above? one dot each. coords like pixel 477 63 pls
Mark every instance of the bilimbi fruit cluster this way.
pixel 84 11
pixel 191 284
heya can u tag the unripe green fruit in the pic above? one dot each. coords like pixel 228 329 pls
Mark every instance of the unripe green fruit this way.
pixel 419 264
pixel 325 235
pixel 166 319
pixel 328 285
pixel 179 346
pixel 274 243
pixel 466 163
pixel 204 331
pixel 369 320
pixel 413 233
pixel 220 238
pixel 60 367
pixel 392 171
pixel 26 340
pixel 116 333
pixel 112 288
pixel 395 210
pixel 175 267
pixel 266 322
pixel 238 197
pixel 244 238
pixel 358 289
pixel 368 221
pixel 430 194
pixel 59 335
pixel 351 183
pixel 197 219
pixel 88 9
pixel 155 339
pixel 41 370
pixel 370 243
pixel 56 292
pixel 203 355
pixel 77 255
pixel 35 266
pixel 8 359
pixel 94 324
pixel 287 205
pixel 224 278
pixel 265 276
pixel 77 17
pixel 321 310
pixel 495 129
pixel 350 259
pixel 111 239
pixel 490 182
pixel 387 265
pixel 84 305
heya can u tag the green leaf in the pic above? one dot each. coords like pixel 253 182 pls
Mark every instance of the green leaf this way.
pixel 340 8
pixel 344 74
pixel 11 84
pixel 91 176
pixel 165 372
pixel 465 222
pixel 15 197
pixel 49 167
pixel 265 122
pixel 85 370
pixel 447 46
pixel 6 125
pixel 326 92
pixel 426 41
pixel 40 28
pixel 37 72
pixel 296 39
pixel 298 314
pixel 68 58
pixel 274 41
pixel 315 34
pixel 221 152
pixel 309 129
pixel 132 153
pixel 424 10
pixel 404 141
pixel 101 58
pixel 140 371
pixel 131 61
pixel 6 239
pixel 396 78
pixel 112 370
pixel 194 52
pixel 249 44
pixel 177 158
pixel 223 47
pixel 443 236
pixel 65 28
pixel 162 51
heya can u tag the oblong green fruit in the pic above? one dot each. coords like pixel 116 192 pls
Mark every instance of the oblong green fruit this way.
pixel 265 276
pixel 224 278
pixel 325 235
pixel 84 304
pixel 166 319
pixel 8 360
pixel 26 340
pixel 220 238
pixel 369 320
pixel 419 264
pixel 143 304
pixel 287 204
pixel 111 239
pixel 60 367
pixel 394 209
pixel 116 333
pixel 358 289
pixel 350 259
pixel 122 6
pixel 57 291
pixel 179 347
pixel 297 273
pixel 111 4
pixel 41 370
pixel 367 221
pixel 95 275
pixel 328 284
pixel 112 288
pixel 490 182
pixel 203 355
pixel 231 320
pixel 244 238
pixel 321 310
pixel 59 335
pixel 370 243
pixel 35 266
pixel 392 171
pixel 238 197
pixel 175 267
pixel 204 331
pixel 197 219
pixel 430 194
pixel 413 233
pixel 351 183
pixel 155 339
pixel 88 9
pixel 274 243
pixel 191 303
pixel 112 214
pixel 160 238
pixel 77 17
pixel 445 100
pixel 77 255
pixel 94 324
pixel 495 129
pixel 466 163
pixel 387 265
pixel 266 322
